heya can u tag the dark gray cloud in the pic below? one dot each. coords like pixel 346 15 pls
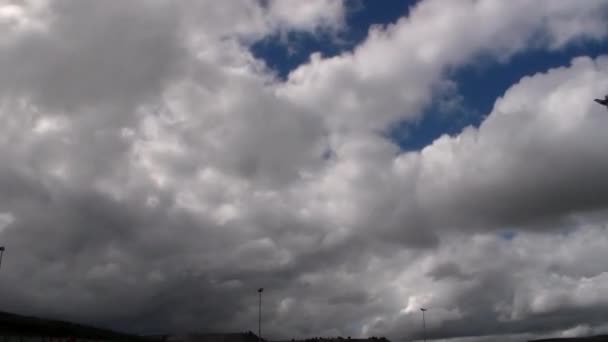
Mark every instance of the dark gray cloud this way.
pixel 447 270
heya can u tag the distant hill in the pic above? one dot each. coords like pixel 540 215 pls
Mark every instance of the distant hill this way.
pixel 33 326
pixel 19 325
pixel 600 338
pixel 339 339
pixel 206 337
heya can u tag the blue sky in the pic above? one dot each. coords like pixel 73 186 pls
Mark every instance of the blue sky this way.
pixel 479 83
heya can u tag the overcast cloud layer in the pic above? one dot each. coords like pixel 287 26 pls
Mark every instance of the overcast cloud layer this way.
pixel 154 174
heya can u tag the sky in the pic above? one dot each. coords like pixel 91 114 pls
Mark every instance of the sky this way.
pixel 359 160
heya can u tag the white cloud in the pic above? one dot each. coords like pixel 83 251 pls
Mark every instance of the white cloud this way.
pixel 391 74
pixel 310 14
pixel 543 135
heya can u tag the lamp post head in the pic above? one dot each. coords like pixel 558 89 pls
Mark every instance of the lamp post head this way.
pixel 423 309
pixel 2 248
pixel 261 289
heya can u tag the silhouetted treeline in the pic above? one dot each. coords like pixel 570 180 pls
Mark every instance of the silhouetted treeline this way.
pixel 342 339
pixel 602 338
pixel 18 325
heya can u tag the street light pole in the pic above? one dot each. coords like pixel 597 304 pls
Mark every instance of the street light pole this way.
pixel 1 253
pixel 260 290
pixel 423 323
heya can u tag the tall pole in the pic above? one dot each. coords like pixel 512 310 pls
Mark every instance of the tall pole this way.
pixel 260 290
pixel 423 323
pixel 1 253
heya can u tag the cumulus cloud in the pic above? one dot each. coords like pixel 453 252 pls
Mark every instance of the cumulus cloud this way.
pixel 148 159
pixel 518 290
pixel 537 156
pixel 391 74
pixel 312 15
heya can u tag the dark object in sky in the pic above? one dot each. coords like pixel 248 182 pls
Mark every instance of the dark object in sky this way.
pixel 603 102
